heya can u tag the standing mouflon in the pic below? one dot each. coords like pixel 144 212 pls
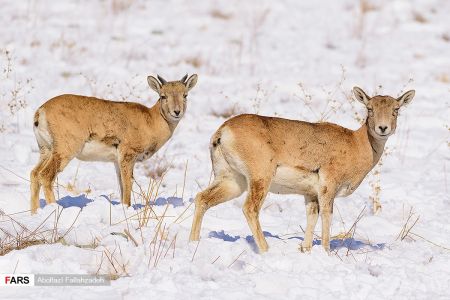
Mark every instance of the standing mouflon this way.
pixel 92 129
pixel 318 160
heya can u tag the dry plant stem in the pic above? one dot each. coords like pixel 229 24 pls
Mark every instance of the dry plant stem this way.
pixel 15 268
pixel 187 217
pixel 215 260
pixel 229 266
pixel 100 265
pixel 184 179
pixel 184 211
pixel 158 253
pixel 174 247
pixel 375 183
pixel 350 233
pixel 28 238
pixel 71 226
pixel 110 213
pixel 405 227
pixel 340 217
pixel 182 195
pixel 303 230
pixel 111 258
pixel 55 224
pixel 152 194
pixel 23 178
pixel 431 242
pixel 131 237
pixel 172 244
pixel 407 230
pixel 34 231
pixel 145 215
pixel 192 260
pixel 360 216
pixel 158 225
pixel 126 219
pixel 121 255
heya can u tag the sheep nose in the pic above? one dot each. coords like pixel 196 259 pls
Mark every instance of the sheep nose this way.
pixel 382 128
pixel 177 112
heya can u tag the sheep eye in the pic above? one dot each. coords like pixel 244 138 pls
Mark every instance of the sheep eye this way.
pixel 370 111
pixel 164 97
pixel 185 96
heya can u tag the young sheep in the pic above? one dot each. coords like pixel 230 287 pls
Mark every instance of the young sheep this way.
pixel 92 129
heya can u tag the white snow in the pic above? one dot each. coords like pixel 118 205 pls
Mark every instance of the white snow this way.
pixel 250 57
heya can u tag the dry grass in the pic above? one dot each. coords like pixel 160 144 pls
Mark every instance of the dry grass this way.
pixel 157 166
pixel 411 221
pixel 112 260
pixel 418 17
pixel 72 186
pixel 19 245
pixel 406 233
pixel 194 61
pixel 226 112
pixel 338 100
pixel 345 252
pixel 349 234
pixel 113 263
pixel 375 182
pixel 217 14
pixel 18 236
pixel 14 91
pixel 364 7
pixel 261 96
pixel 119 6
pixel 446 37
pixel 444 78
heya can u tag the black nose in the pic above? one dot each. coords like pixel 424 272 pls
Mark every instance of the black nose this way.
pixel 383 128
pixel 177 112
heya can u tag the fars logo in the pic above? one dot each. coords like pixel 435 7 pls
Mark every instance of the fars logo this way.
pixel 16 279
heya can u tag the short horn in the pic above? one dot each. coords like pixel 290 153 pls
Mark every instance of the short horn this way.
pixel 163 81
pixel 183 80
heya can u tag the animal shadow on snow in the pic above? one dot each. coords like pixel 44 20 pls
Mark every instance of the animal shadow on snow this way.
pixel 81 201
pixel 349 243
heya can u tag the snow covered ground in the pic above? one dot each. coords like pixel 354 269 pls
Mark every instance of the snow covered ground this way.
pixel 250 57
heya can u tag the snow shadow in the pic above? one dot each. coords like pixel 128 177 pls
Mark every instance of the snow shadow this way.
pixel 69 201
pixel 161 201
pixel 349 243
pixel 81 201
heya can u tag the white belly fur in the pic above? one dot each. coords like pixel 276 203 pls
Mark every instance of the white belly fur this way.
pixel 289 180
pixel 97 151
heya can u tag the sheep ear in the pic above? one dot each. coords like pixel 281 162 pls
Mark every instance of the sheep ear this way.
pixel 191 82
pixel 360 95
pixel 154 84
pixel 406 97
pixel 184 78
pixel 162 80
